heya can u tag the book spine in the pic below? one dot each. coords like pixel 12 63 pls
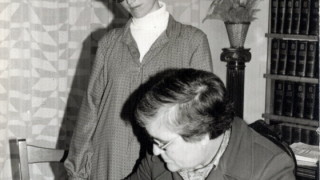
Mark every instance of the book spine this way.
pixel 305 17
pixel 287 134
pixel 283 57
pixel 292 58
pixel 314 18
pixel 302 59
pixel 299 100
pixel 296 134
pixel 305 136
pixel 274 16
pixel 288 17
pixel 281 16
pixel 305 173
pixel 316 105
pixel 288 98
pixel 311 58
pixel 296 15
pixel 275 55
pixel 314 139
pixel 310 101
pixel 316 64
pixel 276 127
pixel 278 97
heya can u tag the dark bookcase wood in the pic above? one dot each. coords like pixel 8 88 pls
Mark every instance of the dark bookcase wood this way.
pixel 292 98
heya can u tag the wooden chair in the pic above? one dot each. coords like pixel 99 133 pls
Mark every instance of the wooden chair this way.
pixel 265 130
pixel 32 154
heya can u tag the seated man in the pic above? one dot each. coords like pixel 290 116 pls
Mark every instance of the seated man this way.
pixel 196 135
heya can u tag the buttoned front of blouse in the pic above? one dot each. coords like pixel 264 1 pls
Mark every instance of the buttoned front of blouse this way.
pixel 104 145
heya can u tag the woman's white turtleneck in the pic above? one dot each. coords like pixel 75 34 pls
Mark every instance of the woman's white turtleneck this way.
pixel 147 29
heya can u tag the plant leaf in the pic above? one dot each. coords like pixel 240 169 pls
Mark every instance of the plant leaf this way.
pixel 233 10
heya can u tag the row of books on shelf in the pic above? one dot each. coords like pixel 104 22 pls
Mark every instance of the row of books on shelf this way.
pixel 293 133
pixel 306 173
pixel 295 17
pixel 294 58
pixel 305 145
pixel 296 99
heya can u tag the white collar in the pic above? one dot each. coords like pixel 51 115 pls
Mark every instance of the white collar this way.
pixel 155 19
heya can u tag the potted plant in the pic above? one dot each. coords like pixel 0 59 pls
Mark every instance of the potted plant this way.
pixel 237 15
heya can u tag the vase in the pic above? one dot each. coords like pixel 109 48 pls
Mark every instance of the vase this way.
pixel 237 33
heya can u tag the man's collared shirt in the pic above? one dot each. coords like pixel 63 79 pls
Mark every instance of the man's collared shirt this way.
pixel 202 173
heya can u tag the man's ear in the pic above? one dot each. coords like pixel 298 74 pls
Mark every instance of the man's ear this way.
pixel 205 139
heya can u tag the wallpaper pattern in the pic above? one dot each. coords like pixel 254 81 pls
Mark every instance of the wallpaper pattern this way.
pixel 46 51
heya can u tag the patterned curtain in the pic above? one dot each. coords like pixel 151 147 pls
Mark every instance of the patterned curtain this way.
pixel 46 52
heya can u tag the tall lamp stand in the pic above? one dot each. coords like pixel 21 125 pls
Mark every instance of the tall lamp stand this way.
pixel 236 59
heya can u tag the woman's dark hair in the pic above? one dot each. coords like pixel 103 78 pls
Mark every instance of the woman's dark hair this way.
pixel 199 100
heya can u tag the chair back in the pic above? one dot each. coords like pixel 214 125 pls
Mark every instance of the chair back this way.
pixel 33 154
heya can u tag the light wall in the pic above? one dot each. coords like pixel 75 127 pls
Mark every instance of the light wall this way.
pixel 254 93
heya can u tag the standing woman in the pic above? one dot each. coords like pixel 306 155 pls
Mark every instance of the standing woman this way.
pixel 103 145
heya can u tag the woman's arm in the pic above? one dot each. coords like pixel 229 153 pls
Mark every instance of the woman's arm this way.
pixel 78 163
pixel 201 58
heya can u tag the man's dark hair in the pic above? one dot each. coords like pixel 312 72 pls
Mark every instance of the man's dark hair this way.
pixel 198 100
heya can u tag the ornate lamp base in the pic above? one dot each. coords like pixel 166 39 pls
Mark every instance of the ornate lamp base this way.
pixel 237 33
pixel 236 59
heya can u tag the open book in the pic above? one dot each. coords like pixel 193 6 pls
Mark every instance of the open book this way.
pixel 306 155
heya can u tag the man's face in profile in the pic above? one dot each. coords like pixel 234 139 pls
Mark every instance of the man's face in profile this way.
pixel 178 154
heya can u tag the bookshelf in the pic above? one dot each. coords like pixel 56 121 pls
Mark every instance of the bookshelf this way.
pixel 300 121
pixel 305 75
pixel 292 78
pixel 293 36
